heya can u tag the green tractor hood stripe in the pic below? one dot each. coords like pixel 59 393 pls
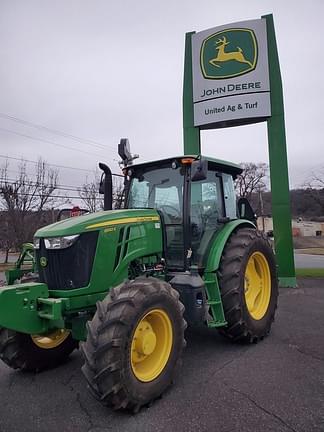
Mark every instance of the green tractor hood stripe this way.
pixel 77 225
pixel 125 221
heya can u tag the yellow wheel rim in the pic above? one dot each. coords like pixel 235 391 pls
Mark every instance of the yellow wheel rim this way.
pixel 50 340
pixel 151 345
pixel 257 285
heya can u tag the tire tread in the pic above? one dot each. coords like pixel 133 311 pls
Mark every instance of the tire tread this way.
pixel 230 271
pixel 111 324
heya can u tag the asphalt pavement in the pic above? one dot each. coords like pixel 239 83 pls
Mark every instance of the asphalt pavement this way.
pixel 276 385
pixel 309 261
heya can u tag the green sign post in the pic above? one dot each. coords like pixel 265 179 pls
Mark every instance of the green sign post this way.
pixel 232 77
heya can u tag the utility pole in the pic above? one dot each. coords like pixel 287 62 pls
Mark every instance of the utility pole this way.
pixel 261 209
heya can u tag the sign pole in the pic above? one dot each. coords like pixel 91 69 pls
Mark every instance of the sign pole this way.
pixel 191 134
pixel 281 211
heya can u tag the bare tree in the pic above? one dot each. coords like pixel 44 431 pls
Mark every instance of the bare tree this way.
pixel 89 194
pixel 315 180
pixel 252 179
pixel 23 200
pixel 313 199
pixel 6 234
pixel 118 192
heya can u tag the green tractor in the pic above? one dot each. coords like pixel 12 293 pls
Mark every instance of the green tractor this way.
pixel 125 283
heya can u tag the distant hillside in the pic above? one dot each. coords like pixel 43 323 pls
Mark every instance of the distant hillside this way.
pixel 308 242
pixel 305 203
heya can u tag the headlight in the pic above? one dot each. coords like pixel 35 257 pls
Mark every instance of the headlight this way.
pixel 36 243
pixel 60 242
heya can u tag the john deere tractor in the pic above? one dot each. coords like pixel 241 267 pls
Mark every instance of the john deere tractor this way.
pixel 125 283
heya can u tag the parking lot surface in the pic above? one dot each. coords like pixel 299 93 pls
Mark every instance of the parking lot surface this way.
pixel 276 385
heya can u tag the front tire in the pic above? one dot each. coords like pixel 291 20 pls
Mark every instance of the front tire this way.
pixel 248 285
pixel 35 352
pixel 134 343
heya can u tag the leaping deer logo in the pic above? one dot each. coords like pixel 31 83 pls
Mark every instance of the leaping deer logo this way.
pixel 223 56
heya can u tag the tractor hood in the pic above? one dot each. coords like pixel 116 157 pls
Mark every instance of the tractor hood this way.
pixel 99 220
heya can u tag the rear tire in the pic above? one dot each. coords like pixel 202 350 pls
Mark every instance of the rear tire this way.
pixel 27 353
pixel 134 343
pixel 248 285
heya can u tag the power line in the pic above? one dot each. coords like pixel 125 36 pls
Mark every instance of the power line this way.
pixel 55 196
pixel 12 182
pixel 71 188
pixel 32 177
pixel 35 162
pixel 31 183
pixel 48 141
pixel 60 187
pixel 54 165
pixel 56 132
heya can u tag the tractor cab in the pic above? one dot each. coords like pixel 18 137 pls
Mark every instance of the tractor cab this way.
pixel 194 196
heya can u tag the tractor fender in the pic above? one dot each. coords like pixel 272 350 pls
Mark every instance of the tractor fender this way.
pixel 217 246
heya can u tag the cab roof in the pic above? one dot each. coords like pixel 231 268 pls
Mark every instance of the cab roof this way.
pixel 219 164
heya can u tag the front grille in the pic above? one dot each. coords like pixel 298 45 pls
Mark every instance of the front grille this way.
pixel 69 268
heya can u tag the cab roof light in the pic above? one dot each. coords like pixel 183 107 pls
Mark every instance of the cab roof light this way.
pixel 187 161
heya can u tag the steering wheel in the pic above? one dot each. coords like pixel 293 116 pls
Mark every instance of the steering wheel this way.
pixel 211 215
pixel 174 214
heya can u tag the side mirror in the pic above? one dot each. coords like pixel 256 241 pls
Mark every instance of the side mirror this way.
pixel 245 210
pixel 199 170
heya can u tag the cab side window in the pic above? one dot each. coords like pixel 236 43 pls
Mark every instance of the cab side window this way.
pixel 229 196
pixel 206 210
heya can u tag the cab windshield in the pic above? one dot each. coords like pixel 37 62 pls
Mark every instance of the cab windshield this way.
pixel 162 189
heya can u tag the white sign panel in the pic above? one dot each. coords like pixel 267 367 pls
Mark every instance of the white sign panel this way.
pixel 230 73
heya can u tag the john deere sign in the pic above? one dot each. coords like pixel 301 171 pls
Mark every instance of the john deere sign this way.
pixel 231 78
pixel 230 74
pixel 222 57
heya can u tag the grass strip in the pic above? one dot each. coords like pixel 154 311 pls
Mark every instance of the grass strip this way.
pixel 310 251
pixel 310 272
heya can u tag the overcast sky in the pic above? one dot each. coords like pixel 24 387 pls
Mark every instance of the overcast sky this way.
pixel 102 70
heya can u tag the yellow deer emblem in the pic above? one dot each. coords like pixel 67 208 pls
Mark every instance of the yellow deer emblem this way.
pixel 223 56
